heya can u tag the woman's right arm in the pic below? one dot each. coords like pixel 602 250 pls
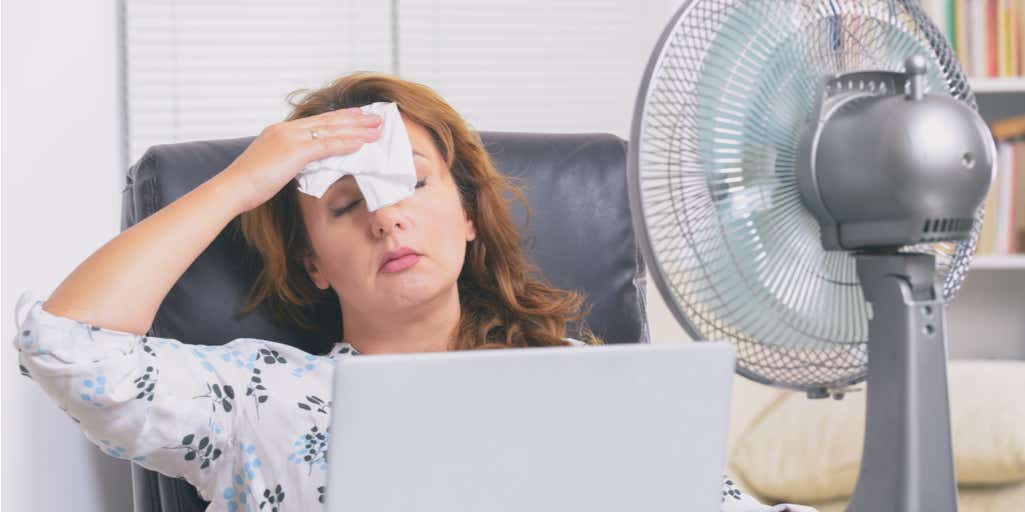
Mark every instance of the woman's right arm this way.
pixel 168 405
pixel 122 284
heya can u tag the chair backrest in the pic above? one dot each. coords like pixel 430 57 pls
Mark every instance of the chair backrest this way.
pixel 580 236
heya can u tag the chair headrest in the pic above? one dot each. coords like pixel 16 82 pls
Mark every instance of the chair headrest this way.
pixel 580 236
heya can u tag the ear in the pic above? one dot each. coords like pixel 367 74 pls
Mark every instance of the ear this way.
pixel 315 275
pixel 471 230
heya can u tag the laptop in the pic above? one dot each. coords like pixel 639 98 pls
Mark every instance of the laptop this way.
pixel 591 429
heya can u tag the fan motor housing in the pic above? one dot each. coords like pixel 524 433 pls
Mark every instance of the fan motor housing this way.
pixel 883 170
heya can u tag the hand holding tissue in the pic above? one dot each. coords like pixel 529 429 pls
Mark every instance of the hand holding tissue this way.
pixel 383 169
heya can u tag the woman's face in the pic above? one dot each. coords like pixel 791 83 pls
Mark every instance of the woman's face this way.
pixel 349 242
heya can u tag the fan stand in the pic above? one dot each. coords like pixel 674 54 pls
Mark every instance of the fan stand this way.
pixel 907 462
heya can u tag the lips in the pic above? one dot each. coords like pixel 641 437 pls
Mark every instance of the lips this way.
pixel 396 256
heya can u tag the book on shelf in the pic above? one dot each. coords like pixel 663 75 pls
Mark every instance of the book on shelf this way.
pixel 987 35
pixel 1003 225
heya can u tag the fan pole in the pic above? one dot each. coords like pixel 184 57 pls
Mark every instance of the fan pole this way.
pixel 907 462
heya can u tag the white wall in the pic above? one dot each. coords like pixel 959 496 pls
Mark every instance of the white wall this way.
pixel 61 179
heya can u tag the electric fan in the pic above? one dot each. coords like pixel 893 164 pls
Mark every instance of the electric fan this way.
pixel 805 179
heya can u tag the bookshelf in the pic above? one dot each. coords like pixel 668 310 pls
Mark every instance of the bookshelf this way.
pixel 987 38
pixel 999 262
pixel 1003 99
pixel 986 320
pixel 997 85
pixel 1006 121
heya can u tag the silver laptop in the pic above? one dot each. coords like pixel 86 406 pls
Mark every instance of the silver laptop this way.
pixel 591 429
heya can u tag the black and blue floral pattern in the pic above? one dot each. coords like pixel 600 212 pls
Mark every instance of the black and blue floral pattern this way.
pixel 247 422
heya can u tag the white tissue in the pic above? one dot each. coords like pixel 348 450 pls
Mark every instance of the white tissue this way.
pixel 383 169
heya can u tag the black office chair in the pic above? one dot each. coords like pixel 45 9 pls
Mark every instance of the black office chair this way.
pixel 580 236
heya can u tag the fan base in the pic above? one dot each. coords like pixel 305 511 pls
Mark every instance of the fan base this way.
pixel 907 462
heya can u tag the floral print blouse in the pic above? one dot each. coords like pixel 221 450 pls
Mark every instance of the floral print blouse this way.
pixel 246 422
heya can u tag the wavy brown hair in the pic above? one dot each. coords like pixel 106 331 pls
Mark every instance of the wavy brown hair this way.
pixel 505 301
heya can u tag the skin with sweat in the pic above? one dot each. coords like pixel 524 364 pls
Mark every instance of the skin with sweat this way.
pixel 416 309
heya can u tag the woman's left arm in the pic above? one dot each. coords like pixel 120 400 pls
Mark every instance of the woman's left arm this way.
pixel 733 500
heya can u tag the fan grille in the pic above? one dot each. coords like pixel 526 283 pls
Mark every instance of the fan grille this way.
pixel 716 134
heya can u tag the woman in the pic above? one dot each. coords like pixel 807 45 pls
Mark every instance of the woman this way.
pixel 246 422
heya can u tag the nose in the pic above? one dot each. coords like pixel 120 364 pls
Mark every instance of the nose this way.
pixel 386 219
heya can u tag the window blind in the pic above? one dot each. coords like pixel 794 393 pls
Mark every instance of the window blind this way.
pixel 208 69
pixel 514 65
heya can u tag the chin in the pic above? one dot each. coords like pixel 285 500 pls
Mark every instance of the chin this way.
pixel 414 290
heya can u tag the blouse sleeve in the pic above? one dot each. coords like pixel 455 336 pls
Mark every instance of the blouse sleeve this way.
pixel 733 500
pixel 155 401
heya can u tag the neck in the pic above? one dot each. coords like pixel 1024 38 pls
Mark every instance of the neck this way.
pixel 427 327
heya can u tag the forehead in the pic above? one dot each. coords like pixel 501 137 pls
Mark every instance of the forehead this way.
pixel 420 142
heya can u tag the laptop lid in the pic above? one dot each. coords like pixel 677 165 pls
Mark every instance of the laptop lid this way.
pixel 595 429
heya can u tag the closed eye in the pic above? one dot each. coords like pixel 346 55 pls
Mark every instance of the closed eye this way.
pixel 350 206
pixel 339 213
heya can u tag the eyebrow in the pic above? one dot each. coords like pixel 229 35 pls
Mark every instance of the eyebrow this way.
pixel 336 186
pixel 333 190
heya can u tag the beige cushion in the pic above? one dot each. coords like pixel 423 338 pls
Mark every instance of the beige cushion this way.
pixel 749 402
pixel 805 451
